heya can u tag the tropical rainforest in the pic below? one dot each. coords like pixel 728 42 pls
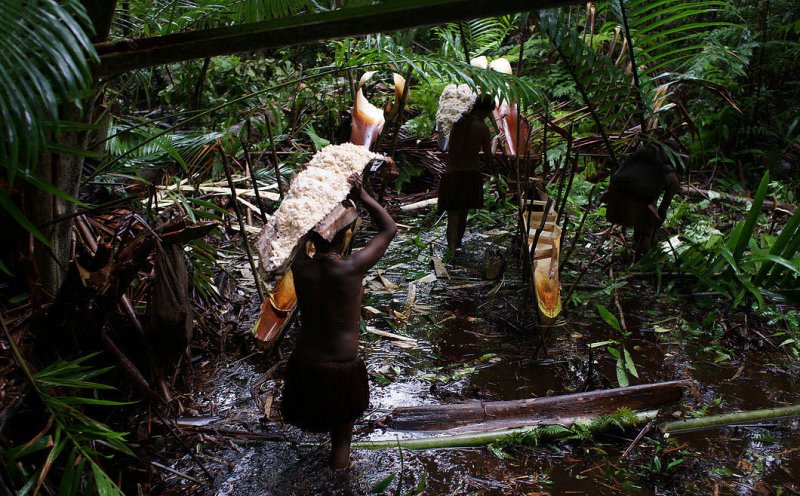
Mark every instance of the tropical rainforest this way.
pixel 147 143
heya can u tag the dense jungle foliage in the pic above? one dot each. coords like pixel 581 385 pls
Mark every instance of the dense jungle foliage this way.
pixel 89 161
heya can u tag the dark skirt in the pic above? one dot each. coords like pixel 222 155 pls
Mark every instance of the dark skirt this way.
pixel 460 190
pixel 628 210
pixel 320 395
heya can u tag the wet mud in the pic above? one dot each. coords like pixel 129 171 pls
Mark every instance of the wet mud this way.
pixel 473 339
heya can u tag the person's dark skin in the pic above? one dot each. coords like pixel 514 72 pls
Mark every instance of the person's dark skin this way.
pixel 644 236
pixel 329 291
pixel 648 172
pixel 468 138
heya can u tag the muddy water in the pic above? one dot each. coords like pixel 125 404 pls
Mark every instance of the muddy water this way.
pixel 476 339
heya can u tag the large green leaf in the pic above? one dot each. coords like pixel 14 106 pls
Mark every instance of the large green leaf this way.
pixel 44 61
pixel 752 218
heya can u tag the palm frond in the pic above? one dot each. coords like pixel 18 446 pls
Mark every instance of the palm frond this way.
pixel 135 147
pixel 446 70
pixel 667 32
pixel 44 61
pixel 68 430
pixel 483 36
pixel 606 90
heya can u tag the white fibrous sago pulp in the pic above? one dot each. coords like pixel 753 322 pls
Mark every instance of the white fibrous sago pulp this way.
pixel 314 192
pixel 454 102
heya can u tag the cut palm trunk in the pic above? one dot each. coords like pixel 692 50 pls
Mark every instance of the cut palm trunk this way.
pixel 494 415
pixel 544 246
pixel 279 308
pixel 368 120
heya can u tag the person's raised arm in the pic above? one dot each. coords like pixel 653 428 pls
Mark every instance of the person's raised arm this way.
pixel 368 256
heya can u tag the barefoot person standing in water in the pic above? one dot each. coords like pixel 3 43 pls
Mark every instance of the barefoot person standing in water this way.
pixel 326 386
pixel 461 186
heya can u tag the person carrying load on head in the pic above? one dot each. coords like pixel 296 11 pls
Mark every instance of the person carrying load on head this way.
pixel 326 387
pixel 461 186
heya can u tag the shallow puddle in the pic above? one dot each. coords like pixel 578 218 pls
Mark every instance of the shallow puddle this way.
pixel 474 339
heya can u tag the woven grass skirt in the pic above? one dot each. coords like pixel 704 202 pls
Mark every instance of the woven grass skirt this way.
pixel 319 395
pixel 460 190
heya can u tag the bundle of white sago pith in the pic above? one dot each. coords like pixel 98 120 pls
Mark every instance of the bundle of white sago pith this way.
pixel 454 102
pixel 314 192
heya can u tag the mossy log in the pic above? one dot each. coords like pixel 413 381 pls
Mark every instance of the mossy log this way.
pixel 538 432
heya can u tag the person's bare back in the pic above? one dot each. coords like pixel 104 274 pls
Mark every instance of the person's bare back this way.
pixel 469 136
pixel 329 295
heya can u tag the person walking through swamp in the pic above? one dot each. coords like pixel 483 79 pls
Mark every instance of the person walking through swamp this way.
pixel 326 386
pixel 634 190
pixel 461 186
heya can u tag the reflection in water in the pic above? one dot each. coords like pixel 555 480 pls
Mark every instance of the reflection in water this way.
pixel 470 345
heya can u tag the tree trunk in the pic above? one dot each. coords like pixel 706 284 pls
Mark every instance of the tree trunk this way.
pixel 64 172
pixel 128 55
pixel 507 414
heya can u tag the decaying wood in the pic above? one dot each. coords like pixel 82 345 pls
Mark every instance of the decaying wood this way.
pixel 768 204
pixel 516 413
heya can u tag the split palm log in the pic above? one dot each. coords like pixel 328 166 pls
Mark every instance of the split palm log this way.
pixel 544 247
pixel 368 120
pixel 277 311
pixel 516 129
pixel 494 415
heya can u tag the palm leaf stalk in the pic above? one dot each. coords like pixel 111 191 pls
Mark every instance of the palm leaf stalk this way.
pixel 574 53
pixel 618 7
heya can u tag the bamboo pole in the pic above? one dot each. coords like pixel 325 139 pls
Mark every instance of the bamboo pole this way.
pixel 484 438
pixel 725 419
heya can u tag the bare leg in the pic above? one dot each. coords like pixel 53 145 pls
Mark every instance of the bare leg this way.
pixel 462 225
pixel 643 238
pixel 453 223
pixel 341 436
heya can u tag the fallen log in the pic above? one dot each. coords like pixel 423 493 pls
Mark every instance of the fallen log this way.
pixel 491 415
pixel 768 204
pixel 726 419
pixel 536 433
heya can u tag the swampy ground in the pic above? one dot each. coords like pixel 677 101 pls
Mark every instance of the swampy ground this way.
pixel 473 339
